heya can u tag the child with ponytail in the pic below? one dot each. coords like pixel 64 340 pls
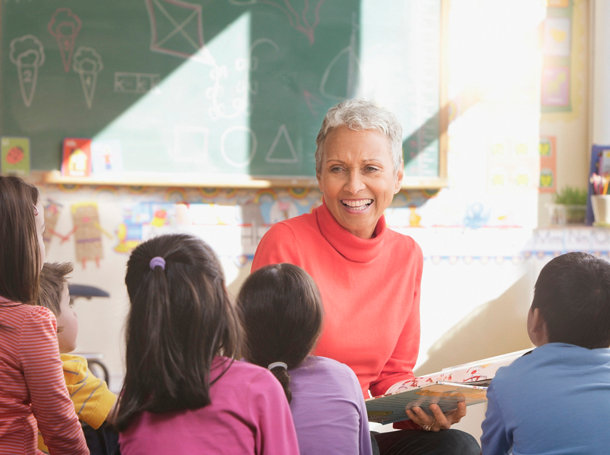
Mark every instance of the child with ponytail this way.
pixel 281 311
pixel 184 392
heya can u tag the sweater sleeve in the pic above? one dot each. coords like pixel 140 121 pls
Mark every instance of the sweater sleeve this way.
pixel 400 365
pixel 279 244
pixel 90 395
pixel 43 375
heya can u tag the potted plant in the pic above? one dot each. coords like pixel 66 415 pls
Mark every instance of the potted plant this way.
pixel 570 206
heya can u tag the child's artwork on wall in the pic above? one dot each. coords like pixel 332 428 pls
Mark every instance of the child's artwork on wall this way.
pixel 15 155
pixel 52 210
pixel 87 233
pixel 548 164
pixel 76 160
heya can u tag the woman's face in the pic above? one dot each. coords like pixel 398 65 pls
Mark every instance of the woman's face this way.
pixel 40 227
pixel 357 178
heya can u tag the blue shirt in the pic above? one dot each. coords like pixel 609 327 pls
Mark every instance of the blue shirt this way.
pixel 555 400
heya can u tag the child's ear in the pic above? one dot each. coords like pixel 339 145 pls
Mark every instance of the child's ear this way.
pixel 536 327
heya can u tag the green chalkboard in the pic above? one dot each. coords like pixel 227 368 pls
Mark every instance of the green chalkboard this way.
pixel 214 87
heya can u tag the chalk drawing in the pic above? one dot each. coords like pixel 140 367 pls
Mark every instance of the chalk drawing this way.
pixel 177 29
pixel 27 53
pixel 238 138
pixel 125 82
pixel 64 26
pixel 87 63
pixel 299 20
pixel 282 150
pixel 336 68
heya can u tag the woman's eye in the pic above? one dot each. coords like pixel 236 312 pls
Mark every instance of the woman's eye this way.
pixel 336 169
pixel 371 169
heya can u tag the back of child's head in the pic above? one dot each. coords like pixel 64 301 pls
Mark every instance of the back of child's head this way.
pixel 281 312
pixel 572 294
pixel 53 279
pixel 180 318
pixel 21 259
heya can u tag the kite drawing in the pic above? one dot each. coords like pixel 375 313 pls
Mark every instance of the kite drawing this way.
pixel 27 54
pixel 64 26
pixel 177 29
pixel 87 63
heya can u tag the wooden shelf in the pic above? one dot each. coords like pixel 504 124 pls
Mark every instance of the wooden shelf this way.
pixel 198 181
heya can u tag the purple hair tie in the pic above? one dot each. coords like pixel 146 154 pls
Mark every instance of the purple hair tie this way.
pixel 157 261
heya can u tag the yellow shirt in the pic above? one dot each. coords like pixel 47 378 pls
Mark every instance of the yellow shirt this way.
pixel 91 397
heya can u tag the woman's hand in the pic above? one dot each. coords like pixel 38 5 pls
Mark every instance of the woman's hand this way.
pixel 437 421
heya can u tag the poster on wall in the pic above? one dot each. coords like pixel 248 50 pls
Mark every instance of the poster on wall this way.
pixel 557 82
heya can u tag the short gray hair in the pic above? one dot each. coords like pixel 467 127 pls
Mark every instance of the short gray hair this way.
pixel 360 114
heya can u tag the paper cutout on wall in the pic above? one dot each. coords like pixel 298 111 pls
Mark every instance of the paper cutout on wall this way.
pixel 15 155
pixel 87 233
pixel 52 210
pixel 548 164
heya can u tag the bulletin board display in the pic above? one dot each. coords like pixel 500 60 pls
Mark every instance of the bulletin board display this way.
pixel 215 89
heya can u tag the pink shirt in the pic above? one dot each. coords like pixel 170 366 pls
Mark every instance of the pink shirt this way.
pixel 249 414
pixel 33 394
pixel 370 290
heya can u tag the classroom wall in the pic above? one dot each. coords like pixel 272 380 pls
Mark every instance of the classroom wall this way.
pixel 485 236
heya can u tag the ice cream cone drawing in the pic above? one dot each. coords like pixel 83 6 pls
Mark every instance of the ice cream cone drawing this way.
pixel 87 63
pixel 27 54
pixel 64 26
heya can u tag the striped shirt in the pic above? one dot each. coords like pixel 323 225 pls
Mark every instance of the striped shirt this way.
pixel 33 392
pixel 90 395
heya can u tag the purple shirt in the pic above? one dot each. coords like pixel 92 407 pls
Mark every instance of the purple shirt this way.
pixel 249 414
pixel 328 409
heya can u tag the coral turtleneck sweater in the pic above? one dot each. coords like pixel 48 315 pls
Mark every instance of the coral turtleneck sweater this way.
pixel 370 290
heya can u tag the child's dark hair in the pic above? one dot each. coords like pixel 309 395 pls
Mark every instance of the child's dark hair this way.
pixel 180 319
pixel 20 260
pixel 53 279
pixel 572 294
pixel 281 312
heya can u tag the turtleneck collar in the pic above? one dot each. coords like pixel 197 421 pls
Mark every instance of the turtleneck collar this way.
pixel 347 244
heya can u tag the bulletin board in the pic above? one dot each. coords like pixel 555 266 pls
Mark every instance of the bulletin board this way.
pixel 212 90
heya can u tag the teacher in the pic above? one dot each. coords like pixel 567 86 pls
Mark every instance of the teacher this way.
pixel 368 275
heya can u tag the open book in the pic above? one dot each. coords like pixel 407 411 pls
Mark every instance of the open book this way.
pixel 467 383
pixel 391 408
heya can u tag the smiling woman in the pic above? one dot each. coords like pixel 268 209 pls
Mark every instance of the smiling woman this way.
pixel 368 275
pixel 358 178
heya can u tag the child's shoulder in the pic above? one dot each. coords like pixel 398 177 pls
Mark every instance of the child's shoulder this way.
pixel 243 375
pixel 23 311
pixel 318 365
pixel 239 369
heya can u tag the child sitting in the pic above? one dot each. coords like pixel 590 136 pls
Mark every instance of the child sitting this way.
pixel 281 312
pixel 92 400
pixel 183 391
pixel 556 399
pixel 33 393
